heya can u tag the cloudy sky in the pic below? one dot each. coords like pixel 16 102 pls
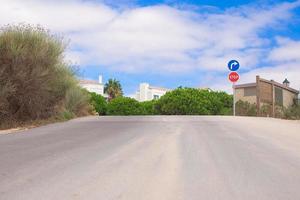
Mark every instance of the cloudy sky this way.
pixel 171 43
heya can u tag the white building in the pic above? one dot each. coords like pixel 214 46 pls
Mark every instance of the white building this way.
pixel 93 86
pixel 147 92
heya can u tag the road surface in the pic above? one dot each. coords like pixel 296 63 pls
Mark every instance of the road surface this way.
pixel 153 158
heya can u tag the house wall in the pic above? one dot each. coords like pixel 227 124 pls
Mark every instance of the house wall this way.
pixel 266 92
pixel 146 93
pixel 270 94
pixel 143 94
pixel 97 88
pixel 288 98
pixel 156 92
pixel 240 95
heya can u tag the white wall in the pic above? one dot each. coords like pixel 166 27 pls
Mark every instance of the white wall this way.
pixel 97 88
pixel 93 86
pixel 147 93
pixel 144 92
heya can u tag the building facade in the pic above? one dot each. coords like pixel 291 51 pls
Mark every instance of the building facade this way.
pixel 148 93
pixel 93 86
pixel 265 92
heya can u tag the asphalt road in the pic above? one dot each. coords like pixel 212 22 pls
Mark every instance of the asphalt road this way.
pixel 153 158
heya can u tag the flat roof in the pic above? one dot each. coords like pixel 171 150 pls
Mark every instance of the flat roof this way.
pixel 245 85
pixel 159 88
pixel 89 82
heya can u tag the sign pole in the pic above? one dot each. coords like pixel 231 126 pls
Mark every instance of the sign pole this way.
pixel 233 87
pixel 233 66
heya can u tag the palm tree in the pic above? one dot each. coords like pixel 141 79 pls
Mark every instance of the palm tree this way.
pixel 113 88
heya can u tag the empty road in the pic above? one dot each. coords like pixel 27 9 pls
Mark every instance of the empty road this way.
pixel 153 158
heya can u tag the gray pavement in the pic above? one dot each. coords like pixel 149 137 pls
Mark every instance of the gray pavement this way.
pixel 153 158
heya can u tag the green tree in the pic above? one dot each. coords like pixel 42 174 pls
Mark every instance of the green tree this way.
pixel 113 88
pixel 149 107
pixel 191 101
pixel 99 103
pixel 124 106
pixel 227 103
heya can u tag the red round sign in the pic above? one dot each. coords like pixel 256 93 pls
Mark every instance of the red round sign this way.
pixel 233 77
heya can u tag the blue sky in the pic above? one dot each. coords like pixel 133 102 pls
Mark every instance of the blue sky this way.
pixel 171 43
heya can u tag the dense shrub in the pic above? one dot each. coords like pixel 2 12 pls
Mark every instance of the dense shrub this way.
pixel 266 110
pixel 182 101
pixel 226 103
pixel 77 101
pixel 149 107
pixel 99 103
pixel 191 101
pixel 292 112
pixel 34 79
pixel 244 108
pixel 124 106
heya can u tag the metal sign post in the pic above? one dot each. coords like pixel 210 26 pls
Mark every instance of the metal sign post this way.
pixel 233 87
pixel 233 66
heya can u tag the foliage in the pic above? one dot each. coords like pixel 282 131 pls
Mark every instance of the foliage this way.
pixel 292 112
pixel 34 79
pixel 266 110
pixel 244 108
pixel 65 115
pixel 99 103
pixel 148 107
pixel 113 88
pixel 191 101
pixel 124 106
pixel 77 101
pixel 227 103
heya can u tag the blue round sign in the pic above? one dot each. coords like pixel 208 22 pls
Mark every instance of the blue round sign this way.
pixel 233 65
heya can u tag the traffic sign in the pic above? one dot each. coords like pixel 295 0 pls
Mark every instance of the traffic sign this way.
pixel 233 77
pixel 233 65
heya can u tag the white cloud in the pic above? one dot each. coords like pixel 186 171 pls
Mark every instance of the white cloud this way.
pixel 287 50
pixel 58 16
pixel 160 39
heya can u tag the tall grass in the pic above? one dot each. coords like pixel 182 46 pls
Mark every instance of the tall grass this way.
pixel 34 78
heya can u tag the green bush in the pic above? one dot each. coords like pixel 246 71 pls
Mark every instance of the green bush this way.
pixel 148 107
pixel 191 101
pixel 226 111
pixel 292 112
pixel 65 115
pixel 99 103
pixel 244 108
pixel 124 106
pixel 77 101
pixel 266 110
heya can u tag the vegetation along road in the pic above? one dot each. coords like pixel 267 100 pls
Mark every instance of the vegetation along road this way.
pixel 153 158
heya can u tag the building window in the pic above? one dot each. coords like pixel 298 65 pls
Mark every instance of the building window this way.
pixel 250 91
pixel 155 96
pixel 278 96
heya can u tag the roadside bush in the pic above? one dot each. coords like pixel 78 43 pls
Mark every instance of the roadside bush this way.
pixel 77 101
pixel 292 112
pixel 65 115
pixel 148 107
pixel 227 103
pixel 191 101
pixel 34 78
pixel 266 110
pixel 99 103
pixel 244 108
pixel 124 106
